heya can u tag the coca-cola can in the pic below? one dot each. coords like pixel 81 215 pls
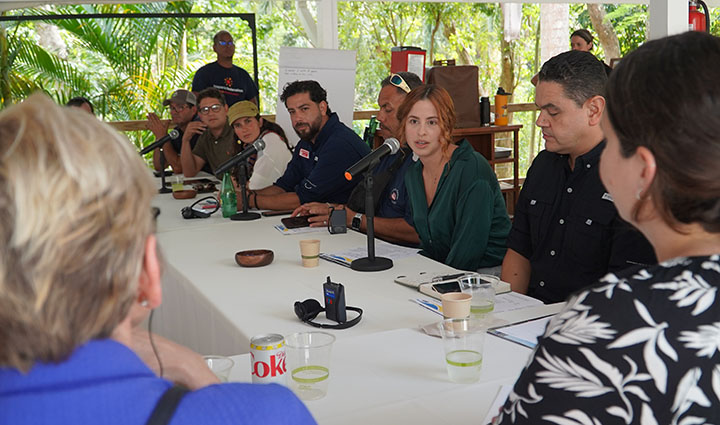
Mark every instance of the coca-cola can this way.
pixel 267 359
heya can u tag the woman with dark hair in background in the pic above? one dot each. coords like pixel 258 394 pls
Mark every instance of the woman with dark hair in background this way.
pixel 643 345
pixel 457 207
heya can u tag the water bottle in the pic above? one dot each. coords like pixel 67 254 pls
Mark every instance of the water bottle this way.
pixel 228 200
pixel 485 111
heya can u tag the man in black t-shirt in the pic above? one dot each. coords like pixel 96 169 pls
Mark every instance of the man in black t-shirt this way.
pixel 233 82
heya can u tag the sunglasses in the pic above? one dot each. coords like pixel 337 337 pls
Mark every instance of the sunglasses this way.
pixel 226 43
pixel 206 109
pixel 397 81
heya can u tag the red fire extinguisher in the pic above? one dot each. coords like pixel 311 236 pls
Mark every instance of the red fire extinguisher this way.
pixel 699 21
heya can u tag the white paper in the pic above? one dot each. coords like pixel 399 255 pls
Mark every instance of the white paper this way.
pixel 498 403
pixel 299 230
pixel 382 249
pixel 513 301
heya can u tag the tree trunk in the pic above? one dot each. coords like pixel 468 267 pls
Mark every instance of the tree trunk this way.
pixel 507 76
pixel 4 69
pixel 432 36
pixel 464 57
pixel 605 31
pixel 536 68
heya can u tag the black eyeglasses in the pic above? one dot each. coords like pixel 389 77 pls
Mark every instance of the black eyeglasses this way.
pixel 398 81
pixel 206 109
pixel 178 108
pixel 226 43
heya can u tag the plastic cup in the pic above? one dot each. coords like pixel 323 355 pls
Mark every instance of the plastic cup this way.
pixel 307 356
pixel 483 293
pixel 456 305
pixel 178 183
pixel 220 365
pixel 310 252
pixel 463 340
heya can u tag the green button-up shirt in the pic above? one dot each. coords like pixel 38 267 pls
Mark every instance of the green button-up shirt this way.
pixel 467 223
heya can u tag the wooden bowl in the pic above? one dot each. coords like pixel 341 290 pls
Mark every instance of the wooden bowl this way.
pixel 254 257
pixel 185 194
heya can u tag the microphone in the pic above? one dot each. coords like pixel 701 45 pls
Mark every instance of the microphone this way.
pixel 256 147
pixel 391 146
pixel 173 135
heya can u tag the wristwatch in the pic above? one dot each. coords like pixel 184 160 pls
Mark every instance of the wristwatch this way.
pixel 356 222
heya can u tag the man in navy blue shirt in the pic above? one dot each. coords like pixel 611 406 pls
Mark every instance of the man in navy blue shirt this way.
pixel 393 219
pixel 326 149
pixel 232 81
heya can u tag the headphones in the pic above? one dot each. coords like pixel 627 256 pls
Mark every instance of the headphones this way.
pixel 191 212
pixel 310 308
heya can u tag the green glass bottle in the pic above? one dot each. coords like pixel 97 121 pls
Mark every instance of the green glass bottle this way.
pixel 369 135
pixel 228 200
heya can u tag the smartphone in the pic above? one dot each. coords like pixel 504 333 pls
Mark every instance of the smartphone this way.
pixel 296 222
pixel 274 213
pixel 445 287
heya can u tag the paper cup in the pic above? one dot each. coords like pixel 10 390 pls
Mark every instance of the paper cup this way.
pixel 456 305
pixel 310 252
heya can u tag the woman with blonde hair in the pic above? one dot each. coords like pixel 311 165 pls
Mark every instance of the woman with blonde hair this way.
pixel 457 207
pixel 643 345
pixel 79 271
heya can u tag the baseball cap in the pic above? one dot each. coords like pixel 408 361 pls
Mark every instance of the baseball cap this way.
pixel 242 109
pixel 181 97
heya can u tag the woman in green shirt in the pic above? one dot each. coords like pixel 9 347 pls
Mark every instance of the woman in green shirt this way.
pixel 457 207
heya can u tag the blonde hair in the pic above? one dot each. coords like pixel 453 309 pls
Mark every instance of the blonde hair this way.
pixel 74 218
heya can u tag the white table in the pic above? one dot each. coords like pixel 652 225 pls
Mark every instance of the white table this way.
pixel 384 370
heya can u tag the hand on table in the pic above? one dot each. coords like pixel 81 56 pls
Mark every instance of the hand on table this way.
pixel 319 212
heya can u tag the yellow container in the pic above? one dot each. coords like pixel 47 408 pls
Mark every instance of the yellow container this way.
pixel 501 112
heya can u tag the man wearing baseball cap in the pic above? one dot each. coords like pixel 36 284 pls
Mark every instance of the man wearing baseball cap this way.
pixel 183 110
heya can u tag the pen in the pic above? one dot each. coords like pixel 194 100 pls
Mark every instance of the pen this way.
pixel 447 277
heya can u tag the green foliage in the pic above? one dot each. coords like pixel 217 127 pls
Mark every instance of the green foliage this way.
pixel 127 66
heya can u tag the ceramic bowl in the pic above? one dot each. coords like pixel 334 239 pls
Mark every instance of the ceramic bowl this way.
pixel 254 257
pixel 184 194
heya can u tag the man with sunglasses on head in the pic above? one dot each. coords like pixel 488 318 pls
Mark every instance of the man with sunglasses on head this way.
pixel 183 110
pixel 216 143
pixel 393 219
pixel 233 82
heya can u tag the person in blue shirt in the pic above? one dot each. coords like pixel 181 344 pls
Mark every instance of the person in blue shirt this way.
pixel 326 149
pixel 393 220
pixel 233 82
pixel 79 271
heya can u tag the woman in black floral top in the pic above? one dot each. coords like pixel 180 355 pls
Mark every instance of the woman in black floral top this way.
pixel 643 346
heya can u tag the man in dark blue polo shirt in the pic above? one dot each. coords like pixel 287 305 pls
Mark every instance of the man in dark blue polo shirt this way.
pixel 326 149
pixel 393 218
pixel 567 232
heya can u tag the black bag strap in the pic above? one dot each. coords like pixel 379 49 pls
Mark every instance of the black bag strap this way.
pixel 166 406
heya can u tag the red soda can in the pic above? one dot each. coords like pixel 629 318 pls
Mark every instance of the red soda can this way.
pixel 267 359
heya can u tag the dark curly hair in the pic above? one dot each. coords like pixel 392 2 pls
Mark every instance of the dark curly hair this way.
pixel 313 88
pixel 665 96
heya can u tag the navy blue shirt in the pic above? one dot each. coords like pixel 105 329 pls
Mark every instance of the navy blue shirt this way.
pixel 316 170
pixel 392 202
pixel 234 83
pixel 567 225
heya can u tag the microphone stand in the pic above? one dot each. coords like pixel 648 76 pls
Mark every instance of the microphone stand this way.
pixel 163 188
pixel 371 263
pixel 241 176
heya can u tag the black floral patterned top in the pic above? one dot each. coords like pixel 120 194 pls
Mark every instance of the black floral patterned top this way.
pixel 641 346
